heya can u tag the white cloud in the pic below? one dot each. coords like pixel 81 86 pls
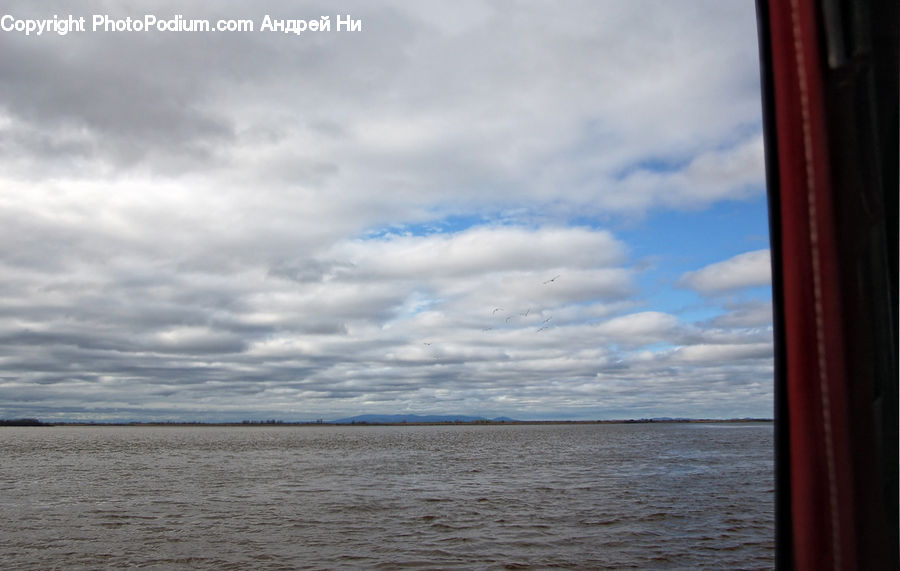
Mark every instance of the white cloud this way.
pixel 744 270
pixel 639 328
pixel 725 353
pixel 480 251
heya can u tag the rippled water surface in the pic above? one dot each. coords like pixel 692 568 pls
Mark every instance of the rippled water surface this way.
pixel 468 497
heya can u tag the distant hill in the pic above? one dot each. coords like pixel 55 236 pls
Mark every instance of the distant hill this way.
pixel 413 418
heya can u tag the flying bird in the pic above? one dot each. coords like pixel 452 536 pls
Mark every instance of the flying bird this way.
pixel 553 279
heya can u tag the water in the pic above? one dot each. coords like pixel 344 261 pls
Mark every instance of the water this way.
pixel 321 497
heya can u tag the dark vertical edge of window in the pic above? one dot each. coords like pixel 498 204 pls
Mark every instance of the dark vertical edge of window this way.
pixel 783 533
pixel 886 60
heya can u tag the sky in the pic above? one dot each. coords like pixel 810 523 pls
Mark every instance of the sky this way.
pixel 499 208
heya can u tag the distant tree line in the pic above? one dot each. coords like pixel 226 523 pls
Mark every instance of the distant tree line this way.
pixel 22 422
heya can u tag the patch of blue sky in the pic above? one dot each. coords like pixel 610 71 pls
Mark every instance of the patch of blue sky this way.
pixel 443 223
pixel 760 293
pixel 660 347
pixel 684 304
pixel 685 240
pixel 691 307
pixel 447 224
pixel 670 243
pixel 699 313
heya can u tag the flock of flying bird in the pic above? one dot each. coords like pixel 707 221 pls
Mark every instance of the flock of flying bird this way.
pixel 543 326
pixel 527 311
pixel 523 314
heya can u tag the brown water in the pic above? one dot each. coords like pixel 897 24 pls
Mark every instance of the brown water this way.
pixel 327 497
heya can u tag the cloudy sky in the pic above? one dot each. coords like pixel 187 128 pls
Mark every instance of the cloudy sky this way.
pixel 532 209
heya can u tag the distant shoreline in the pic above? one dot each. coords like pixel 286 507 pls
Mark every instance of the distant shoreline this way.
pixel 32 422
